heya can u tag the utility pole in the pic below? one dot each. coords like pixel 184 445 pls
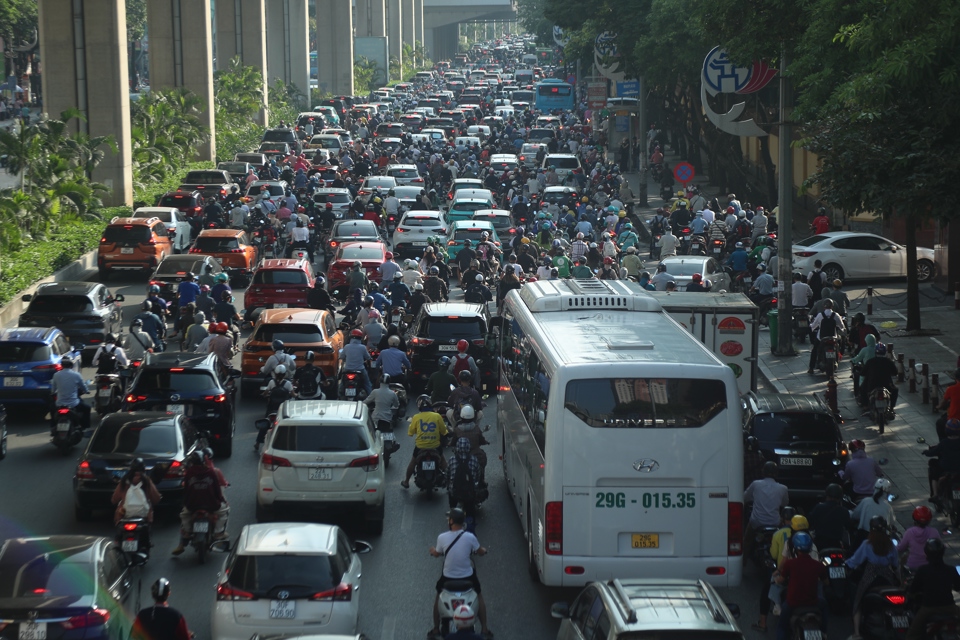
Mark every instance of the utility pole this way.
pixel 784 346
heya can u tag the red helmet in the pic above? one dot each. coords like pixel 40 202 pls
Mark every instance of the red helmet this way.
pixel 300 209
pixel 329 205
pixel 222 327
pixel 462 346
pixel 857 445
pixel 697 277
pixel 608 260
pixel 356 333
pixel 922 516
pixel 389 255
pixel 731 210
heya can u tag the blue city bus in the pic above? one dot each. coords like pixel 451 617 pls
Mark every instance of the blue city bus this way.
pixel 554 94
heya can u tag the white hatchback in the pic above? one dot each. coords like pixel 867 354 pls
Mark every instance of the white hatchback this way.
pixel 177 226
pixel 288 579
pixel 322 455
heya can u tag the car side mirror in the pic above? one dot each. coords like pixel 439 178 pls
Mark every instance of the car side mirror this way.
pixel 261 424
pixel 220 546
pixel 138 560
pixel 361 547
pixel 734 609
pixel 235 374
pixel 27 297
pixel 560 610
pixel 119 298
pixel 87 433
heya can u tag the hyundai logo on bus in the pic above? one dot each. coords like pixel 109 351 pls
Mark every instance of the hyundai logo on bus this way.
pixel 646 465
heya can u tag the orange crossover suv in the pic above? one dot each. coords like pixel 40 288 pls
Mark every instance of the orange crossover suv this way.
pixel 300 330
pixel 133 244
pixel 234 251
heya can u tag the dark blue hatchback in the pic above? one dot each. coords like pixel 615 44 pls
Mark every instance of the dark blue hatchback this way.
pixel 28 359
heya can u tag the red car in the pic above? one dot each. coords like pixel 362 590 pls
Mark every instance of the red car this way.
pixel 370 254
pixel 279 283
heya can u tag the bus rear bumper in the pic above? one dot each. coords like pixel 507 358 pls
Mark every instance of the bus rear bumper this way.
pixel 577 571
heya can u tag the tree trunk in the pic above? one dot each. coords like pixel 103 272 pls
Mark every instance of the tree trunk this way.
pixel 770 179
pixel 913 286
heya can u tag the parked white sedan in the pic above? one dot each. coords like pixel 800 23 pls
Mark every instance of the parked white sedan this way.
pixel 849 255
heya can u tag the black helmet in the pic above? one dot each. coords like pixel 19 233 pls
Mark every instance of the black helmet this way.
pixel 770 469
pixel 146 306
pixel 309 356
pixel 423 402
pixel 787 512
pixel 195 458
pixel 933 548
pixel 878 523
pixel 457 516
pixel 465 376
pixel 110 338
pixel 834 491
pixel 190 275
pixel 661 268
pixel 160 590
pixel 137 322
pixel 137 465
pixel 278 345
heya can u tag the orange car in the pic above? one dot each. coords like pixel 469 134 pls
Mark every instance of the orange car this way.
pixel 300 330
pixel 233 249
pixel 129 244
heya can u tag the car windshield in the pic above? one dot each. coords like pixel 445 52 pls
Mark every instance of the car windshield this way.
pixel 295 333
pixel 214 244
pixel 809 242
pixel 356 230
pixel 642 403
pixel 563 163
pixel 176 201
pixel 335 198
pixel 780 429
pixel 469 206
pixel 135 437
pixel 274 189
pixel 162 215
pixel 443 328
pixel 60 304
pixel 317 438
pixel 126 234
pixel 24 352
pixel 300 575
pixel 404 173
pixel 187 382
pixel 203 177
pixel 498 222
pixel 273 147
pixel 326 143
pixel 179 267
pixel 361 253
pixel 684 267
pixel 420 221
pixel 233 167
pixel 33 570
pixel 278 135
pixel 280 276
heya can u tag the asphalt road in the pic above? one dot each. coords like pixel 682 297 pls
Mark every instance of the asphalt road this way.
pixel 398 575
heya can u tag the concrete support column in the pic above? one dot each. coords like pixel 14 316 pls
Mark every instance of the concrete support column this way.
pixel 362 19
pixel 335 47
pixel 418 22
pixel 445 41
pixel 395 29
pixel 242 33
pixel 83 45
pixel 181 55
pixel 407 30
pixel 288 53
pixel 378 18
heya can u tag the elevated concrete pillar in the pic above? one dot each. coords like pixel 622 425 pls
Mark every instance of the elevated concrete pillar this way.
pixel 288 45
pixel 242 33
pixel 418 22
pixel 335 47
pixel 446 40
pixel 407 16
pixel 181 55
pixel 361 19
pixel 378 18
pixel 395 29
pixel 83 45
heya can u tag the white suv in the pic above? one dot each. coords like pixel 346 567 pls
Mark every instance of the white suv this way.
pixel 565 163
pixel 288 579
pixel 322 454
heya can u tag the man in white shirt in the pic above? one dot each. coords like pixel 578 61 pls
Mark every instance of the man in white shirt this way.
pixel 661 278
pixel 800 292
pixel 456 547
pixel 668 244
pixel 392 204
pixel 768 497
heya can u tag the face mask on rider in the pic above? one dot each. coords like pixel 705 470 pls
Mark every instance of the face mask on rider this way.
pixel 827 313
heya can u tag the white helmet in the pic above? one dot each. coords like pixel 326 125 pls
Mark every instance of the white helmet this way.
pixel 281 370
pixel 467 412
pixel 463 617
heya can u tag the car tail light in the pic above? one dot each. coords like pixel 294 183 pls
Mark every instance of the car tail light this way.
pixel 896 598
pixel 734 528
pixel 103 240
pixel 194 250
pixel 272 463
pixel 554 529
pixel 129 526
pixel 152 240
pixel 48 367
pixel 333 243
pixel 220 397
pixel 478 343
pixel 368 463
pixel 805 254
pixel 343 592
pixel 93 618
pixel 175 470
pixel 84 471
pixel 226 592
pixel 421 342
pixel 134 399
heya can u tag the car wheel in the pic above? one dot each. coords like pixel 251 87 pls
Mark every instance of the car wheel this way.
pixel 225 447
pixel 247 391
pixel 925 270
pixel 102 275
pixel 375 519
pixel 833 271
pixel 3 443
pixel 262 513
pixel 81 514
pixel 531 560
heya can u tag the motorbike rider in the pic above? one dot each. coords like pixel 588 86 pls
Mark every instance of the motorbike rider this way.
pixel 201 492
pixel 221 344
pixel 441 382
pixel 829 520
pixel 826 324
pixel 662 277
pixel 300 239
pixel 357 277
pixel 457 565
pixel 398 292
pixel 768 566
pixel 951 399
pixel 309 379
pixel 860 329
pixel 868 508
pixel 113 356
pixel 464 475
pixel 463 361
pixel 138 342
pixel 911 547
pixel 933 586
pixel 668 243
pixel 385 403
pixel 212 213
pixel 800 292
pixel 355 357
pixel 428 427
pixel 737 260
pixel 768 497
pixel 879 372
pixel 389 267
pixel 478 292
pixel 279 357
pixel 803 576
pixel 392 361
pixel 878 556
pixel 142 492
pixel 696 284
pixel 947 464
pixel 66 387
pixel 161 620
pixel 157 304
pixel 435 287
pixel 319 298
pixel 468 427
pixel 763 286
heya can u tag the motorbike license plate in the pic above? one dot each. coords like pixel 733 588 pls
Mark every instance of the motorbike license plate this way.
pixel 175 408
pixel 956 494
pixel 796 462
pixel 126 250
pixel 103 393
pixel 748 280
pixel 13 381
pixel 319 474
pixel 428 465
pixel 201 526
pixel 812 634
pixel 350 392
pixel 695 247
pixel 63 426
pixel 33 631
pixel 280 305
pixel 283 609
pixel 686 237
pixel 838 573
pixel 831 355
pixel 880 404
pixel 447 347
pixel 900 622
pixel 716 250
pixel 645 540
pixel 129 546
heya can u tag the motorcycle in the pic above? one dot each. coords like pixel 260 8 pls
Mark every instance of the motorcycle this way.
pixel 805 624
pixel 801 324
pixel 684 236
pixel 762 540
pixel 109 392
pixel 654 248
pixel 351 386
pixel 427 474
pixel 66 430
pixel 880 410
pixel 766 304
pixel 201 533
pixel 133 536
pixel 717 245
pixel 697 245
pixel 884 612
pixel 454 594
pixel 837 589
pixel 829 355
pixel 390 444
pixel 397 316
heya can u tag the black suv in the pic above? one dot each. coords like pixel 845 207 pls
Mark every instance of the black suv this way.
pixel 171 271
pixel 84 311
pixel 435 333
pixel 189 385
pixel 389 130
pixel 283 135
pixel 800 434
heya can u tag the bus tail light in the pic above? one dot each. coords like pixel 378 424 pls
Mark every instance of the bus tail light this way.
pixel 734 528
pixel 554 532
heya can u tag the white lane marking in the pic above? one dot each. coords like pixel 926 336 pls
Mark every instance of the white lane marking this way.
pixel 946 347
pixel 406 521
pixel 389 627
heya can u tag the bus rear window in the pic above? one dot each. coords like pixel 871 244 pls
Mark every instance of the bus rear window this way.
pixel 645 403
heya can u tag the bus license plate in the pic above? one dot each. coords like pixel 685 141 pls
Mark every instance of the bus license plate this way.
pixel 129 546
pixel 320 474
pixel 796 462
pixel 645 541
pixel 900 622
pixel 33 631
pixel 283 609
pixel 838 573
pixel 13 381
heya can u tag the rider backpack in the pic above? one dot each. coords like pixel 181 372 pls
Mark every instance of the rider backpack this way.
pixel 474 295
pixel 135 504
pixel 815 281
pixel 307 382
pixel 658 224
pixel 108 361
pixel 460 363
pixel 464 486
pixel 279 394
pixel 828 326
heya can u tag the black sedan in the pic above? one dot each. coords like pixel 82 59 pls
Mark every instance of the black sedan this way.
pixel 163 440
pixel 63 588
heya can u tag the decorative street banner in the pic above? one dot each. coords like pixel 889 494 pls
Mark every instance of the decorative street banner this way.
pixel 606 57
pixel 559 38
pixel 720 75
